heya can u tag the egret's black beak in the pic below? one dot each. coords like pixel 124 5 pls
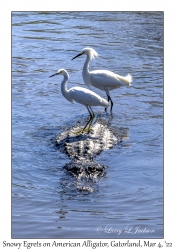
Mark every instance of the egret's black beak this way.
pixel 54 74
pixel 77 56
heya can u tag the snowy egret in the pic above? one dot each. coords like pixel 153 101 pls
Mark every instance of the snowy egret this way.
pixel 102 79
pixel 81 95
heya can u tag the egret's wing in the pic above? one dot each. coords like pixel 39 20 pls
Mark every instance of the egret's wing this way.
pixel 86 97
pixel 102 80
pixel 105 78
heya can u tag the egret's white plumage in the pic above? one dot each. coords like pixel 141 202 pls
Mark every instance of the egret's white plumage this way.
pixel 87 97
pixel 102 79
pixel 83 96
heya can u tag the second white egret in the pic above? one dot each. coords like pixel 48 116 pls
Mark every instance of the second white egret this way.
pixel 102 79
pixel 83 96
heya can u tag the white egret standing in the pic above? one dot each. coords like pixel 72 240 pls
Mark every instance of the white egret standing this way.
pixel 83 96
pixel 102 79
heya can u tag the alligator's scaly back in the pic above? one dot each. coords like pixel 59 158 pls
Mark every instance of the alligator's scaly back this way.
pixel 83 148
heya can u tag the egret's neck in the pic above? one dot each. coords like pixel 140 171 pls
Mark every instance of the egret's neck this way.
pixel 64 90
pixel 86 72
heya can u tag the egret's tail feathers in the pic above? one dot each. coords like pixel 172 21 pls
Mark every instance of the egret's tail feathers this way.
pixel 104 103
pixel 125 79
pixel 129 79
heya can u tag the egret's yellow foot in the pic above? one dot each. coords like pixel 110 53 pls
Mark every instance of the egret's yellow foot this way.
pixel 83 130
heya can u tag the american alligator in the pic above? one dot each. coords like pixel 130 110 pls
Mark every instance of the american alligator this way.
pixel 83 148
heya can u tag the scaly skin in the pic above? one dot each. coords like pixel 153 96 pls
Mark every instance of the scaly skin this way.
pixel 82 148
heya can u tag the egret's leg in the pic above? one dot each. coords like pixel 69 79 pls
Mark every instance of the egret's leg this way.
pixel 108 101
pixel 91 111
pixel 91 116
pixel 111 103
pixel 81 130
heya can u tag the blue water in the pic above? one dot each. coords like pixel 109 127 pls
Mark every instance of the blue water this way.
pixel 129 199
